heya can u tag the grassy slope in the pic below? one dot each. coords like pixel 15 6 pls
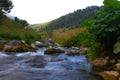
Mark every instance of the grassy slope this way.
pixel 9 29
pixel 61 36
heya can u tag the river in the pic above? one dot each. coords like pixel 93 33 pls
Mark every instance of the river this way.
pixel 37 66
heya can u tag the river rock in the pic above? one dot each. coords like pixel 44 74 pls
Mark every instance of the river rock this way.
pixel 36 61
pixel 117 67
pixel 49 42
pixel 2 43
pixel 39 44
pixel 53 51
pixel 16 46
pixel 109 75
pixel 72 52
pixel 83 50
pixel 99 64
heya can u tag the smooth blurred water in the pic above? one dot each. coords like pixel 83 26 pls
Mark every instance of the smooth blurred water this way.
pixel 56 67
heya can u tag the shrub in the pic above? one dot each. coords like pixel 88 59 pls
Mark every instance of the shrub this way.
pixel 82 39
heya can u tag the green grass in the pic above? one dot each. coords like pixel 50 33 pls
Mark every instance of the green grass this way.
pixel 62 35
pixel 11 30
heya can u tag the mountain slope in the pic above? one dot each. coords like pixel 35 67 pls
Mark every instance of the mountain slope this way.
pixel 70 20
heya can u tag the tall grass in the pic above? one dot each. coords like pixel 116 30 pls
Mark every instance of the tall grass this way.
pixel 62 35
pixel 9 29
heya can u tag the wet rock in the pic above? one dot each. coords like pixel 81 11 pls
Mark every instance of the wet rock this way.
pixel 16 46
pixel 37 62
pixel 109 75
pixel 83 50
pixel 53 51
pixel 49 42
pixel 75 48
pixel 2 43
pixel 39 44
pixel 99 64
pixel 72 51
pixel 96 77
pixel 117 67
pixel 34 46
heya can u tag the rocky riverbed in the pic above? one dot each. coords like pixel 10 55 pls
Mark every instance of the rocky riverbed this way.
pixel 38 66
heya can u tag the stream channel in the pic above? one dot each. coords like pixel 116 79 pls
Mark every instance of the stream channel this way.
pixel 38 66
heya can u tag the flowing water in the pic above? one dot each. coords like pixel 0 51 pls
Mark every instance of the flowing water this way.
pixel 37 66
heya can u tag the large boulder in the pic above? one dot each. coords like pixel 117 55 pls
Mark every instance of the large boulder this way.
pixel 100 64
pixel 53 51
pixel 110 75
pixel 16 46
pixel 2 43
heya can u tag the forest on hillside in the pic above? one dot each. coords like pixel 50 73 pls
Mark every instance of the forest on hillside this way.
pixel 71 20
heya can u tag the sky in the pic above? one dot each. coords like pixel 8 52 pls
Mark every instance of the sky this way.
pixel 39 11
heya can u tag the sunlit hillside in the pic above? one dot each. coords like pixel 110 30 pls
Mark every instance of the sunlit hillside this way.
pixel 62 35
pixel 14 30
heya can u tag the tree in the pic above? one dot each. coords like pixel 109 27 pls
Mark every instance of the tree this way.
pixel 6 5
pixel 111 3
pixel 106 25
pixel 73 19
pixel 1 16
pixel 24 23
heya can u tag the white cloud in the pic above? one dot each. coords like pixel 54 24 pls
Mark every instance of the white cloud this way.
pixel 38 11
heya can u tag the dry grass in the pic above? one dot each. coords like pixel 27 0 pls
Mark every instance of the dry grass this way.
pixel 61 36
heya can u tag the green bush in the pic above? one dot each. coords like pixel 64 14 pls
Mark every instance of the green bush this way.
pixel 94 50
pixel 82 39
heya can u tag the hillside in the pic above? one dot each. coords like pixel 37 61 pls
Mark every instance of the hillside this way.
pixel 69 20
pixel 16 30
pixel 64 35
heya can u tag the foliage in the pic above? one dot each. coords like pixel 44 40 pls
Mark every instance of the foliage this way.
pixel 24 23
pixel 94 50
pixel 106 26
pixel 12 30
pixel 111 3
pixel 65 35
pixel 1 16
pixel 82 39
pixel 6 5
pixel 70 20
pixel 86 22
